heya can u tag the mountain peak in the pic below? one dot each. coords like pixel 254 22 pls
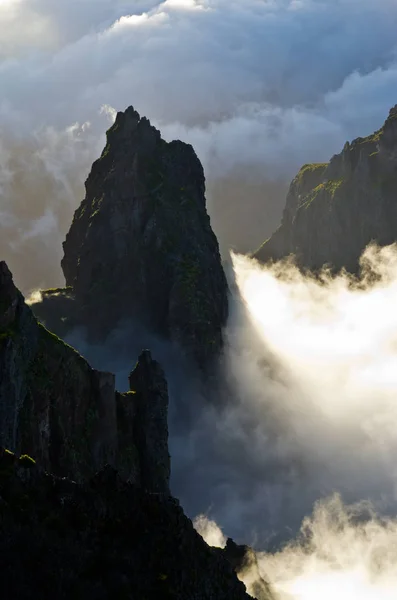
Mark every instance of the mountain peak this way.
pixel 141 245
pixel 329 219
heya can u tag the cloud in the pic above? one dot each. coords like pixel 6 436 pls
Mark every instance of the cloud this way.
pixel 342 551
pixel 309 383
pixel 258 87
pixel 303 409
pixel 209 531
pixel 304 404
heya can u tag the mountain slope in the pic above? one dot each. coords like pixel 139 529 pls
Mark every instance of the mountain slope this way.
pixel 85 507
pixel 100 539
pixel 333 211
pixel 68 416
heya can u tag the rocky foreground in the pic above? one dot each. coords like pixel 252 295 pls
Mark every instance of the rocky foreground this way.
pixel 101 539
pixel 85 506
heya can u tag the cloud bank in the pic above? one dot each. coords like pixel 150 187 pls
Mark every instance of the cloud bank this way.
pixel 304 406
pixel 310 383
pixel 303 463
pixel 259 87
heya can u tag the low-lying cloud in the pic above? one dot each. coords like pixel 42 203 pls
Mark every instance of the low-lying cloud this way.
pixel 304 405
pixel 310 383
pixel 341 551
pixel 303 463
pixel 258 87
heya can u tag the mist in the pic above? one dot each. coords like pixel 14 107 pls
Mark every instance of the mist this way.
pixel 258 87
pixel 303 406
pixel 305 458
pixel 340 551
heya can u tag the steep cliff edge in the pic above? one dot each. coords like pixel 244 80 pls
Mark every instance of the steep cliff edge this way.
pixel 55 407
pixel 244 561
pixel 101 539
pixel 141 245
pixel 333 211
pixel 85 507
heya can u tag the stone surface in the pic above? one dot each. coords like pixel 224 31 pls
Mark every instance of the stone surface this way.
pixel 334 210
pixel 244 561
pixel 141 246
pixel 102 539
pixel 55 407
pixel 67 529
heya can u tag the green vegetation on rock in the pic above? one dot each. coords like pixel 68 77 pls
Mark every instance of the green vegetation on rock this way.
pixel 26 461
pixel 310 168
pixel 330 220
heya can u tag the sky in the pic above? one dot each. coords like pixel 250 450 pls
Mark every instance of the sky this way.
pixel 258 87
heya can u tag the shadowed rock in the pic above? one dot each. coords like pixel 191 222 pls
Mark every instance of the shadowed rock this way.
pixel 244 562
pixel 101 539
pixel 141 246
pixel 55 407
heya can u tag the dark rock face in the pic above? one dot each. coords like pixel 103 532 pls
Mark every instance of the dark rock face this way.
pixel 244 562
pixel 55 407
pixel 69 531
pixel 101 539
pixel 333 211
pixel 141 244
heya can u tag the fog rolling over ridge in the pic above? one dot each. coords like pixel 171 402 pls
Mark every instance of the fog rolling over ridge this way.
pixel 259 88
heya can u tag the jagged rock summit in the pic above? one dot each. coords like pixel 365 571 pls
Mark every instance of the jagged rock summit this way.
pixel 141 245
pixel 334 210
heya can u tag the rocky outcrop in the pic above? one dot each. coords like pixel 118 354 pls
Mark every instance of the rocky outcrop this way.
pixel 244 561
pixel 67 529
pixel 101 539
pixel 141 246
pixel 334 210
pixel 55 407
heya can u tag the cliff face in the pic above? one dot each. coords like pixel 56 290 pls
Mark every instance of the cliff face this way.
pixel 334 210
pixel 55 407
pixel 141 245
pixel 86 511
pixel 244 561
pixel 101 539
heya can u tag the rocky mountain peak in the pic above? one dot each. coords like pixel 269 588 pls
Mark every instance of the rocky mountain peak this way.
pixel 333 211
pixel 141 245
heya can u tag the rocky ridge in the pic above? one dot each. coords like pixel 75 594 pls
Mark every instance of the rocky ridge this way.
pixel 100 539
pixel 334 210
pixel 244 561
pixel 141 246
pixel 85 506
pixel 55 407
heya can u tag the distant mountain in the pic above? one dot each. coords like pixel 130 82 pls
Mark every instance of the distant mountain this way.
pixel 141 246
pixel 334 210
